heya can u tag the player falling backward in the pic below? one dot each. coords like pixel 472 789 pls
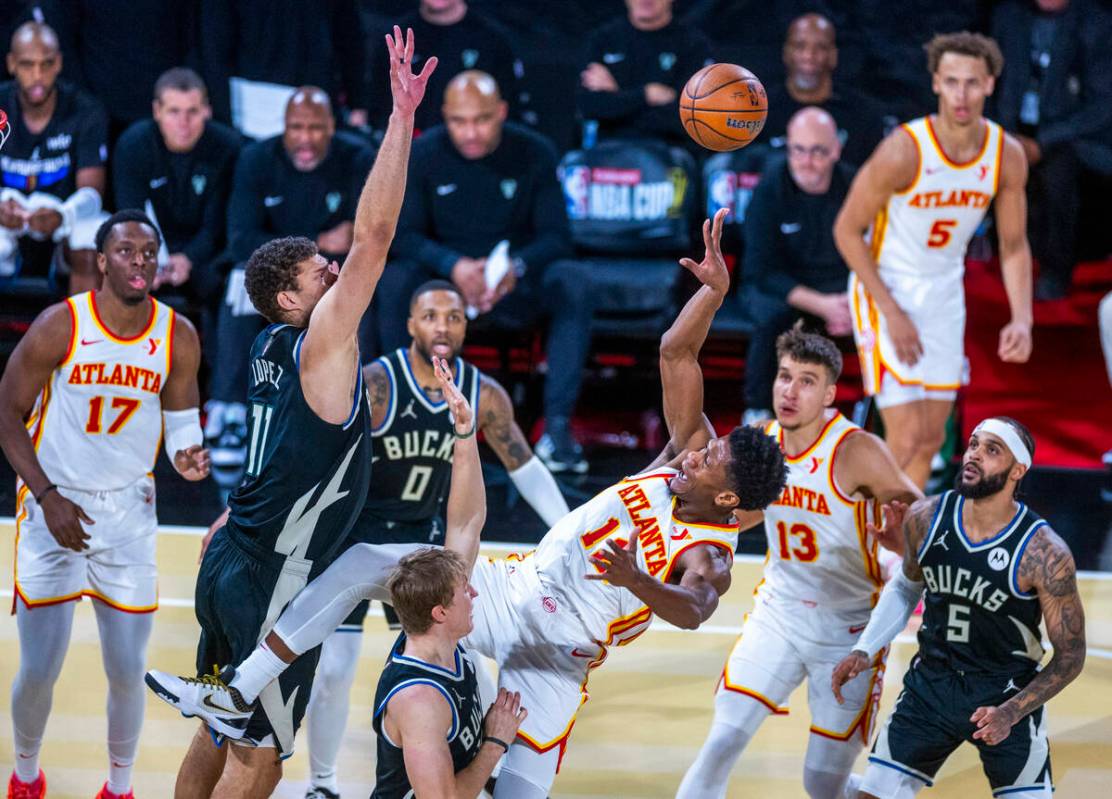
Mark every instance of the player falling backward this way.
pixel 100 379
pixel 992 569
pixel 822 577
pixel 659 543
pixel 903 231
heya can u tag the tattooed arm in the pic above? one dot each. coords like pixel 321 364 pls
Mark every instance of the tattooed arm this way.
pixel 897 600
pixel 529 475
pixel 1048 570
pixel 377 383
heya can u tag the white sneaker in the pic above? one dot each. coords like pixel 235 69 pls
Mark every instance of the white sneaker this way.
pixel 207 697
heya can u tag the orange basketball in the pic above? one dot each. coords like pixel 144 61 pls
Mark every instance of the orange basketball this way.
pixel 723 107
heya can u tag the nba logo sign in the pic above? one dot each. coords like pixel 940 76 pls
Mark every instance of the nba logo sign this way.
pixel 721 191
pixel 577 187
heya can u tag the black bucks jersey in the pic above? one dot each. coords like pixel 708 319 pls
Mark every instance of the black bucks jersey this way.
pixel 975 617
pixel 460 689
pixel 306 479
pixel 413 446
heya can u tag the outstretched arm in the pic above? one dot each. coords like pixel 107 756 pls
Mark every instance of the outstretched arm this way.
pixel 1015 252
pixel 467 495
pixel 1047 569
pixel 680 375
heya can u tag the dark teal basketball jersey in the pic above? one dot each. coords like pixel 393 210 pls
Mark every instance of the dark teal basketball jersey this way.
pixel 460 689
pixel 413 445
pixel 975 617
pixel 306 479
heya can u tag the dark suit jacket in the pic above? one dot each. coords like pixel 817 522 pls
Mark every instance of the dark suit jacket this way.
pixel 1075 100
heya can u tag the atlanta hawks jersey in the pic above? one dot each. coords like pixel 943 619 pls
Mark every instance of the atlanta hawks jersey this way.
pixel 97 424
pixel 642 506
pixel 818 548
pixel 975 617
pixel 924 229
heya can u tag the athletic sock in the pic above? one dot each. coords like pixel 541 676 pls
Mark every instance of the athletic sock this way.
pixel 26 761
pixel 326 781
pixel 260 669
pixel 119 775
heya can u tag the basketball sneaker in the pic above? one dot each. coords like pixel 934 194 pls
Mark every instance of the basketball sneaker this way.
pixel 104 793
pixel 17 789
pixel 558 449
pixel 207 697
pixel 316 792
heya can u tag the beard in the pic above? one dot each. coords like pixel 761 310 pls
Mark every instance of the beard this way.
pixel 987 486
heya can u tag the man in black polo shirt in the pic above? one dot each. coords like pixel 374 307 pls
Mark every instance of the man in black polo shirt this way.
pixel 305 182
pixel 180 162
pixel 792 267
pixel 52 167
pixel 636 67
pixel 810 56
pixel 473 183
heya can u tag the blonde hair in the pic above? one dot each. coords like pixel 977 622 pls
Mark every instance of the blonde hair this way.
pixel 421 581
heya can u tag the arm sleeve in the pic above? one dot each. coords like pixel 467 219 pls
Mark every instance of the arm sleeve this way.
pixel 92 146
pixel 412 241
pixel 763 256
pixel 551 236
pixel 246 230
pixel 889 617
pixel 349 45
pixel 131 170
pixel 538 488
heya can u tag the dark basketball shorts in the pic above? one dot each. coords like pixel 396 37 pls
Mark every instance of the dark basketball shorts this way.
pixel 233 597
pixel 931 719
pixel 429 531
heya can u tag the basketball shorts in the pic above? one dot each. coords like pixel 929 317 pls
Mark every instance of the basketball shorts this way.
pixel 541 648
pixel 239 596
pixel 118 568
pixel 783 643
pixel 931 719
pixel 383 531
pixel 937 309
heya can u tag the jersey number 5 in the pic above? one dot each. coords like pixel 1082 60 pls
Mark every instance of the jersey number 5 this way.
pixel 805 549
pixel 940 232
pixel 126 407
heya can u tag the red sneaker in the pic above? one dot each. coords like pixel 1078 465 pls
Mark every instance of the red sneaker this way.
pixel 104 793
pixel 17 789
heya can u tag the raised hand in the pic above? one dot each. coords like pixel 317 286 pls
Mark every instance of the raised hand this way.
pixel 711 271
pixel 406 88
pixel 458 406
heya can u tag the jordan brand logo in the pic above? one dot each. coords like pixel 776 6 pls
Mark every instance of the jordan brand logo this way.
pixel 941 542
pixel 1011 686
pixel 408 411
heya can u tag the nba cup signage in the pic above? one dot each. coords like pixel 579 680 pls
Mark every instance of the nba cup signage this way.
pixel 607 193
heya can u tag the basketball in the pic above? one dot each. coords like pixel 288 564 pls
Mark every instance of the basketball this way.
pixel 723 107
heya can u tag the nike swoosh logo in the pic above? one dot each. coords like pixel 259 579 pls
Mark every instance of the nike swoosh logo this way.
pixel 787 228
pixel 270 202
pixel 681 537
pixel 857 629
pixel 613 58
pixel 156 182
pixel 446 189
pixel 87 342
pixel 207 702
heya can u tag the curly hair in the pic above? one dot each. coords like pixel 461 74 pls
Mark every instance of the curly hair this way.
pixel 804 347
pixel 757 471
pixel 965 43
pixel 273 268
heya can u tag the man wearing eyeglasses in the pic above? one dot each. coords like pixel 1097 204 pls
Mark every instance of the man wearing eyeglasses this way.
pixel 791 267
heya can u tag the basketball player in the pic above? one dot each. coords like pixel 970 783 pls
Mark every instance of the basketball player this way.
pixel 308 459
pixel 428 715
pixel 903 232
pixel 822 577
pixel 660 543
pixel 992 570
pixel 413 443
pixel 100 379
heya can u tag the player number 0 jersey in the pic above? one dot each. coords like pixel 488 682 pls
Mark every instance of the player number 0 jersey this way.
pixel 97 424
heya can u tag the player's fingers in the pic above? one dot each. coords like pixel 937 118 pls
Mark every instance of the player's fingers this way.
pixel 719 220
pixel 595 577
pixel 409 45
pixel 83 516
pixel 522 714
pixel 978 714
pixel 688 264
pixel 708 242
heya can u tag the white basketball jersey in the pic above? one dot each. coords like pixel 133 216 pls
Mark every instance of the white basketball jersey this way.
pixel 641 505
pixel 923 230
pixel 97 423
pixel 818 548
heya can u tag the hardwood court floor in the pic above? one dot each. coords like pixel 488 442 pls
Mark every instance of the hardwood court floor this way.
pixel 649 712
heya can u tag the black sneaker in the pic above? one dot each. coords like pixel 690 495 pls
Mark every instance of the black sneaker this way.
pixel 316 792
pixel 558 449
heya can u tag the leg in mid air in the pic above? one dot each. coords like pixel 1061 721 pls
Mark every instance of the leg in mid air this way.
pixel 915 432
pixel 123 647
pixel 44 634
pixel 736 719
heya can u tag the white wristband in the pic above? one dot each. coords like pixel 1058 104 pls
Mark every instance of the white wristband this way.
pixel 181 430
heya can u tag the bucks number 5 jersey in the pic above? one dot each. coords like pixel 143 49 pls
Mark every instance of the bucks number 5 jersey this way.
pixel 975 617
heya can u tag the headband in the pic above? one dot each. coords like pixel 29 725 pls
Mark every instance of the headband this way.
pixel 1006 433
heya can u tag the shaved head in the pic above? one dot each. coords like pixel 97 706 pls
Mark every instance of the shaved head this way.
pixel 310 97
pixel 30 34
pixel 35 61
pixel 814 121
pixel 810 55
pixel 309 127
pixel 816 23
pixel 474 112
pixel 813 149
